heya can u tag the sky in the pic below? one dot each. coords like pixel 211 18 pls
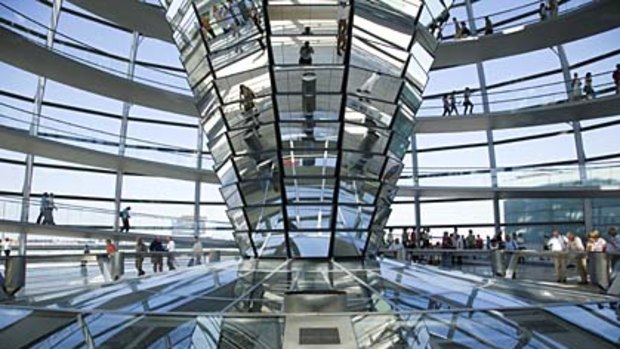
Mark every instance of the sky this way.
pixel 599 142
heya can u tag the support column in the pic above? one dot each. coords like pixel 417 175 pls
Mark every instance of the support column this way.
pixel 416 181
pixel 197 188
pixel 133 52
pixel 34 128
pixel 579 148
pixel 486 109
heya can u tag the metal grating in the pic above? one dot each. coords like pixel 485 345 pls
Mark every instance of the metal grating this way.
pixel 319 336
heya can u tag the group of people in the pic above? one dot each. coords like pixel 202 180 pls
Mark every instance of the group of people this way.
pixel 158 250
pixel 410 238
pixel 461 31
pixel 572 243
pixel 577 92
pixel 46 209
pixel 230 16
pixel 449 103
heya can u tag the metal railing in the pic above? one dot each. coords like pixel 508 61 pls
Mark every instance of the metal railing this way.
pixel 111 266
pixel 596 268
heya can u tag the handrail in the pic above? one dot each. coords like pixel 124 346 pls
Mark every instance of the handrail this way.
pixel 519 89
pixel 46 117
pixel 35 202
pixel 560 83
pixel 512 22
pixel 75 257
pixel 71 39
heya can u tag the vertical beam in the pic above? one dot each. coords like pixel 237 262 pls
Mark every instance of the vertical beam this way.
pixel 276 113
pixel 416 181
pixel 579 148
pixel 341 123
pixel 34 127
pixel 197 188
pixel 133 52
pixel 486 109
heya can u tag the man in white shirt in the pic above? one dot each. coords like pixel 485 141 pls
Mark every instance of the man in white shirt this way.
pixel 6 247
pixel 557 243
pixel 574 244
pixel 171 247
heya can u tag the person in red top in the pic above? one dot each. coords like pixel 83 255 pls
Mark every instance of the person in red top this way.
pixel 109 247
pixel 616 77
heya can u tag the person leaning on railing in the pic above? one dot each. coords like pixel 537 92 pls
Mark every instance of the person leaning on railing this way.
pixel 574 244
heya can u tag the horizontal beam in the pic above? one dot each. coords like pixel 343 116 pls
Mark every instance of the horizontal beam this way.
pixel 535 116
pixel 21 141
pixel 591 19
pixel 548 192
pixel 25 54
pixel 81 233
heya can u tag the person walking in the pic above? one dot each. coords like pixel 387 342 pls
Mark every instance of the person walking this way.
pixel 141 249
pixel 171 248
pixel 42 208
pixel 305 54
pixel 488 26
pixel 445 100
pixel 6 247
pixel 467 101
pixel 197 252
pixel 616 78
pixel 157 259
pixel 588 89
pixel 575 86
pixel 557 243
pixel 574 244
pixel 453 108
pixel 124 215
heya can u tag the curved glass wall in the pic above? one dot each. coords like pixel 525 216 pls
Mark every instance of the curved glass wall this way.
pixel 308 141
pixel 524 157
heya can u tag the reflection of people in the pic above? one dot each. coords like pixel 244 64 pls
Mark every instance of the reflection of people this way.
pixel 246 98
pixel 342 27
pixel 305 54
pixel 367 86
pixel 206 26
